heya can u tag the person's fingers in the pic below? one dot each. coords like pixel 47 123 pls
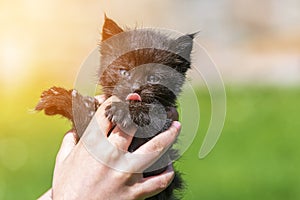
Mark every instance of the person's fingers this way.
pixel 156 147
pixel 102 120
pixel 153 185
pixel 68 143
pixel 120 139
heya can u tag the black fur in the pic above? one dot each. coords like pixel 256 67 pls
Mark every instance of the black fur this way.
pixel 156 74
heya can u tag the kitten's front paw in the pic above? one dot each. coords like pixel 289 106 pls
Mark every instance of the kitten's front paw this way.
pixel 118 113
pixel 55 101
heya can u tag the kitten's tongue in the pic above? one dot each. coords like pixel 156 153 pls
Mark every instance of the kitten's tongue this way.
pixel 134 97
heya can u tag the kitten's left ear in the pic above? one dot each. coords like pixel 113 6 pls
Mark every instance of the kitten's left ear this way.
pixel 110 28
pixel 184 45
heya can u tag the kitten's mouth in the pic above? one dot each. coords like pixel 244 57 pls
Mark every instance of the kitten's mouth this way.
pixel 133 97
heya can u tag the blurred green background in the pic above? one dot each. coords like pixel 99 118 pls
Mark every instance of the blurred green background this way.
pixel 257 156
pixel 43 43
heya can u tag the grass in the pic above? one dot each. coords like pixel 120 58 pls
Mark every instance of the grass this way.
pixel 257 156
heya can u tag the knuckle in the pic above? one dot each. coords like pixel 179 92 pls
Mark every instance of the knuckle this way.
pixel 121 176
pixel 163 183
pixel 114 155
pixel 157 146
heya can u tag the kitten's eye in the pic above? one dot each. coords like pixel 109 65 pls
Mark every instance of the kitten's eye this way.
pixel 153 79
pixel 124 73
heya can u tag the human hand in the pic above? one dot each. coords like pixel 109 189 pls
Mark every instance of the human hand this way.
pixel 78 175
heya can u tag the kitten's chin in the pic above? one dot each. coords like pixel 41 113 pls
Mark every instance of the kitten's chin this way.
pixel 139 113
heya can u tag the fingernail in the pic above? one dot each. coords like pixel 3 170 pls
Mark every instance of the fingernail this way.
pixel 177 124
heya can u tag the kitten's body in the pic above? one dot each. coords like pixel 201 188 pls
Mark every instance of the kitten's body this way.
pixel 146 80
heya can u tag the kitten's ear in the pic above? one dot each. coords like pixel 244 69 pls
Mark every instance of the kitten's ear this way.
pixel 110 28
pixel 184 45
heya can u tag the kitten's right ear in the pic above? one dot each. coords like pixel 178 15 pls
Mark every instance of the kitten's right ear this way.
pixel 110 28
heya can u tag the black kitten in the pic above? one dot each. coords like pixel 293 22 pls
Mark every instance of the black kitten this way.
pixel 147 80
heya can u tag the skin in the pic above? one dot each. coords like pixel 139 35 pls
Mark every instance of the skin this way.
pixel 77 175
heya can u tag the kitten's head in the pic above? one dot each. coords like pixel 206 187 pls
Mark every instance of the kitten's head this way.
pixel 143 66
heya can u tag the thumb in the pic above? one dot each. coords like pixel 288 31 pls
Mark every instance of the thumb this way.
pixel 68 143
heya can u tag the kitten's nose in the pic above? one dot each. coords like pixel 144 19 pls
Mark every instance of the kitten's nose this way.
pixel 135 86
